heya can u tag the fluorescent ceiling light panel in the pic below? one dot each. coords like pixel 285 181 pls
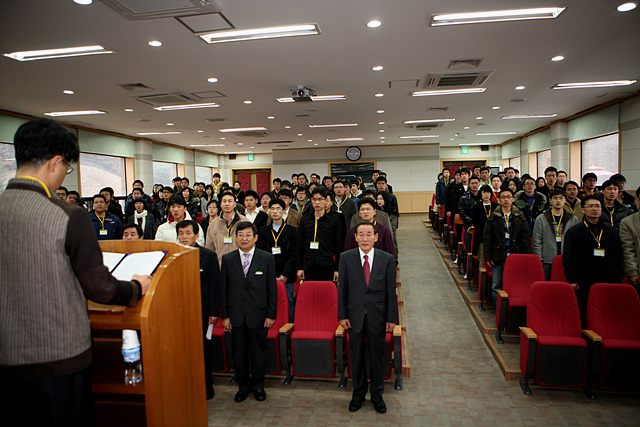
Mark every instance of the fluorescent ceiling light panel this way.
pixel 74 113
pixel 494 133
pixel 238 152
pixel 495 16
pixel 419 136
pixel 345 139
pixel 158 133
pixel 448 91
pixel 186 106
pixel 33 55
pixel 260 33
pixel 243 129
pixel 334 126
pixel 583 85
pixel 528 116
pixel 475 143
pixel 208 145
pixel 317 98
pixel 409 122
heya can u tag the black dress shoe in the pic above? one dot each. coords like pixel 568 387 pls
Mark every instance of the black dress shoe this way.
pixel 210 393
pixel 260 395
pixel 380 407
pixel 354 405
pixel 241 396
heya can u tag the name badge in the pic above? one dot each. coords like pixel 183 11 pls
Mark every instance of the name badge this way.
pixel 598 252
pixel 103 232
pixel 339 211
pixel 276 250
pixel 228 240
pixel 314 245
pixel 558 239
pixel 507 235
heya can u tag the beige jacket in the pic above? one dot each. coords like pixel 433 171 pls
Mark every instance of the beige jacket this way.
pixel 216 233
pixel 630 242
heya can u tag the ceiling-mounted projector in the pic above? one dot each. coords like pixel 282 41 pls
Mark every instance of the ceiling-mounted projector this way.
pixel 302 94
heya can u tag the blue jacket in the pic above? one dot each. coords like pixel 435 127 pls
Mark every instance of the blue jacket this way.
pixel 112 226
pixel 441 188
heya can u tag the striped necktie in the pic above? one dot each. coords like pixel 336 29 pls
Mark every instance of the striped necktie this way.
pixel 245 263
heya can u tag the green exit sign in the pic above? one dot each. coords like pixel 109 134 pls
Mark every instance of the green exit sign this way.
pixel 251 157
pixel 464 149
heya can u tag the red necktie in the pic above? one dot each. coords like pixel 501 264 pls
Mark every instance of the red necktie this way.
pixel 366 269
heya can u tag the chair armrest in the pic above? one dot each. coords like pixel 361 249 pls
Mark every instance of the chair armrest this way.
pixel 592 336
pixel 397 331
pixel 339 331
pixel 503 294
pixel 286 328
pixel 482 270
pixel 528 332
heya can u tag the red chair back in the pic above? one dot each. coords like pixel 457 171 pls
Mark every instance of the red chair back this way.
pixel 613 311
pixel 282 316
pixel 557 270
pixel 520 271
pixel 317 307
pixel 552 310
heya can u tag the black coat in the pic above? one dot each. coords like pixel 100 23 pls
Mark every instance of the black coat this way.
pixel 531 212
pixel 149 226
pixel 465 207
pixel 287 241
pixel 479 216
pixel 493 236
pixel 452 197
pixel 209 283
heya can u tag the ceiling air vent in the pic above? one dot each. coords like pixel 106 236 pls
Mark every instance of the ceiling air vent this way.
pixel 424 126
pixel 464 63
pixel 253 133
pixel 131 87
pixel 274 142
pixel 208 94
pixel 146 9
pixel 216 119
pixel 447 80
pixel 438 109
pixel 166 98
pixel 302 115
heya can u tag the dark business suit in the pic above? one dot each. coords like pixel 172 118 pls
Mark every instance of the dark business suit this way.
pixel 210 297
pixel 247 302
pixel 368 309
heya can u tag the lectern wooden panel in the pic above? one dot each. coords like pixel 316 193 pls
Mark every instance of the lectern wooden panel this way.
pixel 170 324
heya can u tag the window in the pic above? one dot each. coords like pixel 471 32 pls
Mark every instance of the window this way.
pixel 163 173
pixel 204 174
pixel 514 162
pixel 98 171
pixel 544 161
pixel 600 156
pixel 7 164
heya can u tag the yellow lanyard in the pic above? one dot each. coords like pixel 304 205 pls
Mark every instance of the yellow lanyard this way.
pixel 315 230
pixel 506 220
pixel 101 221
pixel 344 199
pixel 573 210
pixel 46 189
pixel 611 213
pixel 594 236
pixel 559 223
pixel 210 219
pixel 487 211
pixel 275 238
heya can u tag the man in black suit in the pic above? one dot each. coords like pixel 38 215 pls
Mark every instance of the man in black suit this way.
pixel 249 304
pixel 188 233
pixel 367 308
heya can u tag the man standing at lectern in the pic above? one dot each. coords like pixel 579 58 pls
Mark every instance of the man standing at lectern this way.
pixel 367 308
pixel 47 275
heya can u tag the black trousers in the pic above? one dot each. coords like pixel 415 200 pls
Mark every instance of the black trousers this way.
pixel 59 401
pixel 319 272
pixel 249 351
pixel 365 345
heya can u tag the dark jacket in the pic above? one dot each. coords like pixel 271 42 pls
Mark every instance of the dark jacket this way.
pixel 465 207
pixel 620 211
pixel 452 197
pixel 630 202
pixel 531 212
pixel 348 208
pixel 149 226
pixel 115 209
pixel 493 236
pixel 330 243
pixel 161 212
pixel 479 216
pixel 287 242
pixel 209 284
pixel 112 226
pixel 441 189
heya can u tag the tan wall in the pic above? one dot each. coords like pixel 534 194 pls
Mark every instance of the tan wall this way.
pixel 414 201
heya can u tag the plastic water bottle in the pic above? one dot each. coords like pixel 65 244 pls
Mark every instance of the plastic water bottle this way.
pixel 132 359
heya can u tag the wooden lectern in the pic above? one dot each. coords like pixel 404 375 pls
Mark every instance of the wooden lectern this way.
pixel 169 320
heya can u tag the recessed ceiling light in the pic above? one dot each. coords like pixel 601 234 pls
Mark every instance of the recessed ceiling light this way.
pixel 380 123
pixel 528 116
pixel 74 113
pixel 68 92
pixel 252 147
pixel 169 124
pixel 382 137
pixel 186 106
pixel 258 128
pixel 448 91
pixel 207 145
pixel 582 85
pixel 240 143
pixel 450 139
pixel 32 55
pixel 409 122
pixel 223 138
pixel 495 16
pixel 334 125
pixel 158 133
pixel 374 24
pixel 557 58
pixel 378 68
pixel 309 140
pixel 260 33
pixel 345 139
pixel 287 127
pixel 381 130
pixel 248 102
pixel 379 95
pixel 419 136
pixel 479 118
pixel 381 142
pixel 315 143
pixel 270 117
pixel 626 7
pixel 83 2
pixel 494 133
pixel 466 127
pixel 495 108
pixel 380 111
pixel 520 87
pixel 299 134
pixel 212 80
pixel 200 131
pixel 316 98
pixel 155 43
pixel 128 110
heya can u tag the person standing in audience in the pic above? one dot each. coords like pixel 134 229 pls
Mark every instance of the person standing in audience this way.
pixel 290 216
pixel 162 206
pixel 319 245
pixel 302 202
pixel 549 231
pixel 140 185
pixel 213 211
pixel 367 310
pixel 623 197
pixel 294 179
pixel 252 213
pixel 265 198
pixel 192 207
pixel 355 189
pixel 106 225
pixel 485 174
pixel 455 192
pixel 342 204
pixel 276 187
pixel 143 218
pixel 589 181
pixel 496 184
pixel 47 277
pixel 221 235
pixel 314 177
pixel 506 232
pixel 379 217
pixel 513 185
pixel 389 188
pixel 74 198
pixel 572 202
pixel 591 254
pixel 249 308
pixel 207 196
pixel 476 171
pixel 562 179
pixel 62 192
pixel 188 234
pixel 112 206
pixel 550 178
pixel 132 232
pixel 441 189
pixel 630 239
pixel 198 189
pixel 178 212
pixel 479 214
pixel 613 211
pixel 216 183
pixel 390 207
pixel 302 179
pixel 281 240
pixel 510 173
pixel 468 200
pixel 136 193
pixel 530 202
pixel 366 213
pixel 238 193
pixel 336 215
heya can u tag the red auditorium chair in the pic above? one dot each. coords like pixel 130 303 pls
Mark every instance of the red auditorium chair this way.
pixel 520 271
pixel 557 270
pixel 278 339
pixel 552 350
pixel 485 279
pixel 314 330
pixel 613 313
pixel 221 348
